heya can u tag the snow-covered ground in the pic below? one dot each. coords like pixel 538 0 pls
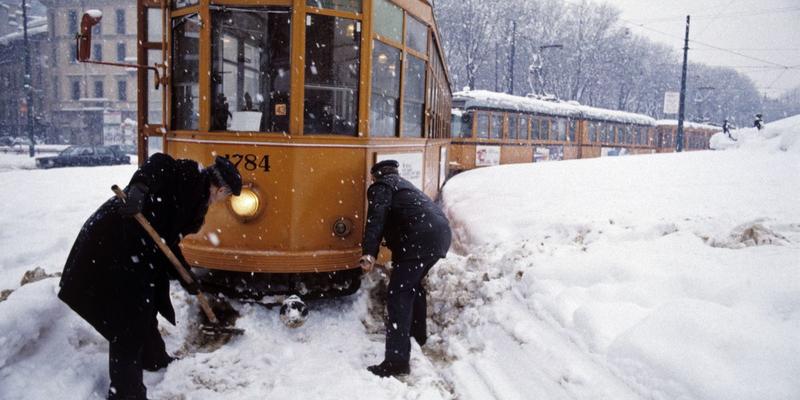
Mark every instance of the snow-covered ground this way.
pixel 671 276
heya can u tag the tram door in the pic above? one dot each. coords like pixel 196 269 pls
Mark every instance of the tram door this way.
pixel 151 50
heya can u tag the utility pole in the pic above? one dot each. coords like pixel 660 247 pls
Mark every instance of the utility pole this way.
pixel 513 55
pixel 27 80
pixel 682 107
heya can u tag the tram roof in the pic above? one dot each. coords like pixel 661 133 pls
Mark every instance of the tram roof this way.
pixel 502 101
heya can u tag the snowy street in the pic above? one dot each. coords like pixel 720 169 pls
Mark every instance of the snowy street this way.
pixel 668 276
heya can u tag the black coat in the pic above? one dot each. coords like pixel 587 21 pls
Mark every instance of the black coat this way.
pixel 412 224
pixel 115 272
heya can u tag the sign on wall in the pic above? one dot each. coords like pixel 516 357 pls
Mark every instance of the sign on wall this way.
pixel 486 156
pixel 411 165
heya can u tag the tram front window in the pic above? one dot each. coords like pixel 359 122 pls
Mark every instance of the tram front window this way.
pixel 251 69
pixel 331 75
pixel 185 72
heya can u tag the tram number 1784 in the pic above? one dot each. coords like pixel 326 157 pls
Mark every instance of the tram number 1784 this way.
pixel 249 162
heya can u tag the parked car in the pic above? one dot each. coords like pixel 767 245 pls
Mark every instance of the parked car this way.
pixel 124 148
pixel 83 156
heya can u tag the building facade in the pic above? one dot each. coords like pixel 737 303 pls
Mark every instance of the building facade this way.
pixel 91 103
pixel 13 96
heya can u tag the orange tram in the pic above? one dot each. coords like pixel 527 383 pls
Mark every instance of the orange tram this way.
pixel 303 96
pixel 491 128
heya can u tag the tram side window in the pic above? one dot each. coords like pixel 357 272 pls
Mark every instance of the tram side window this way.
pixel 251 68
pixel 523 127
pixel 592 132
pixel 185 72
pixel 332 72
pixel 512 126
pixel 572 128
pixel 483 125
pixel 414 97
pixel 462 125
pixel 388 20
pixel 535 130
pixel 341 5
pixel 496 132
pixel 385 100
pixel 561 129
pixel 184 3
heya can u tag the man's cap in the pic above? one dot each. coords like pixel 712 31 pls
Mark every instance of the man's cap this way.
pixel 385 164
pixel 229 174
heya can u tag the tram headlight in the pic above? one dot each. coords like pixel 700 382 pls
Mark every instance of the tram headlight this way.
pixel 247 204
pixel 342 227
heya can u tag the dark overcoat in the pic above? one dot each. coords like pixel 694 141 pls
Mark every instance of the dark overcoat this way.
pixel 412 224
pixel 115 273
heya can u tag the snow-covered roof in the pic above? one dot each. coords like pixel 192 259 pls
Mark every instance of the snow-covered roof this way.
pixel 494 100
pixel 687 124
pixel 35 25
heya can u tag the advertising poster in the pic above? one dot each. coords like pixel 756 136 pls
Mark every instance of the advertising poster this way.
pixel 486 156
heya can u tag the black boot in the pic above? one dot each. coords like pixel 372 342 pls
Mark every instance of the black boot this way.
pixel 158 363
pixel 389 368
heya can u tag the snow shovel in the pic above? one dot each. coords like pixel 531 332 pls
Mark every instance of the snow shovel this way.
pixel 215 327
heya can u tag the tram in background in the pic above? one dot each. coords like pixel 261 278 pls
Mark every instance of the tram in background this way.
pixel 491 128
pixel 696 136
pixel 303 96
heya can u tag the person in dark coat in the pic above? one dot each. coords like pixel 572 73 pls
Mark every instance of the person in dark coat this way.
pixel 117 278
pixel 418 234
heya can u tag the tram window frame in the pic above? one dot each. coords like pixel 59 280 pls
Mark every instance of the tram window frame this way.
pixel 413 123
pixel 188 118
pixel 572 126
pixel 524 126
pixel 536 128
pixel 342 105
pixel 495 117
pixel 250 83
pixel 184 3
pixel 513 127
pixel 348 6
pixel 387 20
pixel 482 128
pixel 379 82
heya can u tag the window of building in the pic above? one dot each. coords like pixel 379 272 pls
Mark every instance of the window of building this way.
pixel 388 20
pixel 73 54
pixel 185 72
pixel 120 21
pixel 72 22
pixel 122 90
pixel 331 75
pixel 98 89
pixel 413 96
pixel 251 69
pixel 496 132
pixel 98 28
pixel 121 52
pixel 75 91
pixel 56 89
pixel 385 99
pixel 483 125
pixel 341 5
pixel 97 51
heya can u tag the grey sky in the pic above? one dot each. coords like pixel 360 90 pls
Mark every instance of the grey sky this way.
pixel 766 31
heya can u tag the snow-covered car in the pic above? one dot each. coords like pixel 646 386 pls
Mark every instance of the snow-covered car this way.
pixel 83 156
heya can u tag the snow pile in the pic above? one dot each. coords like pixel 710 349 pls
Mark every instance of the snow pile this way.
pixel 782 135
pixel 660 276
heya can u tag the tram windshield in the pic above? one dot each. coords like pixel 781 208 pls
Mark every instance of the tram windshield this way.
pixel 250 69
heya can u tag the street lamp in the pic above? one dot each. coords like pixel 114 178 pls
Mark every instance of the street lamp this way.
pixel 535 76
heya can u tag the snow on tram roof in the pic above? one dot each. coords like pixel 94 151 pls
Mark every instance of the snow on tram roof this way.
pixel 487 99
pixel 688 124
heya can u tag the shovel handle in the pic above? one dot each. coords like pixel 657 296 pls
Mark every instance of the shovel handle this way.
pixel 201 298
